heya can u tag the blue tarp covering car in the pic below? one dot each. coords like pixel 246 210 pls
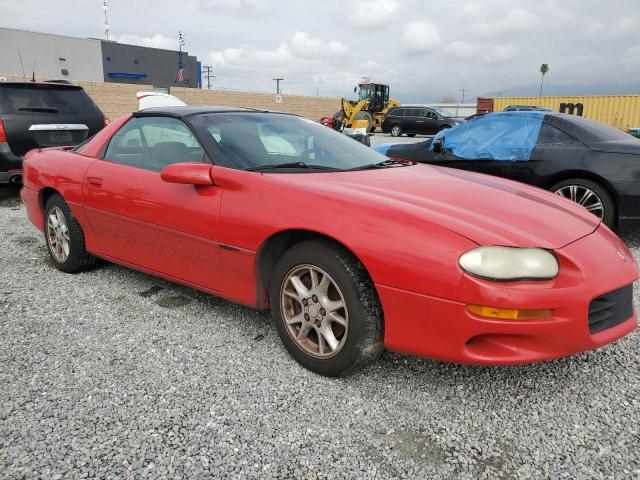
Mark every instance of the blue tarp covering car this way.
pixel 508 136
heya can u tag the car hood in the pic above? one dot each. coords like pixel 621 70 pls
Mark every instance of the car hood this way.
pixel 487 210
pixel 632 145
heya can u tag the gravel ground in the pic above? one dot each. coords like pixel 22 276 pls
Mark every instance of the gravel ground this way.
pixel 116 374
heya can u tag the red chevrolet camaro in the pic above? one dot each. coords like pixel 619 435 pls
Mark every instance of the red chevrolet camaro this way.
pixel 352 251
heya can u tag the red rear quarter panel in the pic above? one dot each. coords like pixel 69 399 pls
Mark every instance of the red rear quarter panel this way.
pixel 62 170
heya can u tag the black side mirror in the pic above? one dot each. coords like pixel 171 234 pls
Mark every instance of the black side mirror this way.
pixel 355 89
pixel 438 145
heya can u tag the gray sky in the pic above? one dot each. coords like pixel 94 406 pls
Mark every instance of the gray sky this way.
pixel 423 49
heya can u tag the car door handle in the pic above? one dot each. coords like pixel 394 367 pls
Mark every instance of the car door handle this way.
pixel 419 121
pixel 94 181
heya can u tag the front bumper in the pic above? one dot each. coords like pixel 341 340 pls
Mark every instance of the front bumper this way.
pixel 445 330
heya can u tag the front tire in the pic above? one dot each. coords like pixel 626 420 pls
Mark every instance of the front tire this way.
pixel 396 131
pixel 64 238
pixel 592 196
pixel 325 308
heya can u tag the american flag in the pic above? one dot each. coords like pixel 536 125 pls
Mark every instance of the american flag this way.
pixel 180 77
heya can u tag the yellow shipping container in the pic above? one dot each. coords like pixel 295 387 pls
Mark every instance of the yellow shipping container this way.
pixel 620 111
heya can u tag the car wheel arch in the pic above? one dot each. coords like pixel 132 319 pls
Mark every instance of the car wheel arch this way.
pixel 45 194
pixel 583 174
pixel 274 247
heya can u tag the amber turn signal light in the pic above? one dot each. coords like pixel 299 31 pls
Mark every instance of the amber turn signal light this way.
pixel 509 313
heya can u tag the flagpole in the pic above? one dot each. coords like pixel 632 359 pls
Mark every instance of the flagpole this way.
pixel 180 64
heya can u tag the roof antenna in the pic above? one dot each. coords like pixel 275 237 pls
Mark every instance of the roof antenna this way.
pixel 33 75
pixel 22 66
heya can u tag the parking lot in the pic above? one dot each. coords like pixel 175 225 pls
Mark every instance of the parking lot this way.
pixel 116 374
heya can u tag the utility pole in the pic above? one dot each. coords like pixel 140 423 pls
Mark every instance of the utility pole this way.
pixel 464 91
pixel 278 80
pixel 208 74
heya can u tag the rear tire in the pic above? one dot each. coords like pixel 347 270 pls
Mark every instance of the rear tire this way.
pixel 396 131
pixel 590 195
pixel 298 302
pixel 64 238
pixel 411 135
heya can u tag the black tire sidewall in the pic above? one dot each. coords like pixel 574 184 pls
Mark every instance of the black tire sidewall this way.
pixel 76 239
pixel 610 215
pixel 350 353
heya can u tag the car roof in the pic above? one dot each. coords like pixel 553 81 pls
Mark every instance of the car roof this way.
pixel 53 83
pixel 188 111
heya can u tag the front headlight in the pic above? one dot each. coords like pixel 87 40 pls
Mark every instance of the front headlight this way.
pixel 510 263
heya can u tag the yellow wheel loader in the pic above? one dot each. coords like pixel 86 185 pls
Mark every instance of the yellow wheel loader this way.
pixel 372 105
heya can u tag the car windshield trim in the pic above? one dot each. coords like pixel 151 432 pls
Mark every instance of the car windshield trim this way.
pixel 292 165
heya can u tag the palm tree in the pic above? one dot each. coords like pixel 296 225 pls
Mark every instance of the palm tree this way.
pixel 544 68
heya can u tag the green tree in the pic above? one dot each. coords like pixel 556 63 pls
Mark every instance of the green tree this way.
pixel 544 68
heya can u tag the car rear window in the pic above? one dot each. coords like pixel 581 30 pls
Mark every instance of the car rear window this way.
pixel 597 131
pixel 38 98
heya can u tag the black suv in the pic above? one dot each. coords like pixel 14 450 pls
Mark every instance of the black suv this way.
pixel 412 120
pixel 42 114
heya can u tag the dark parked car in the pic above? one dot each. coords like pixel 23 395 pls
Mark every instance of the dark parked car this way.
pixel 42 114
pixel 413 120
pixel 588 162
pixel 525 108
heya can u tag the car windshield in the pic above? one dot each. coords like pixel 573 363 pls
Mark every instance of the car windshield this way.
pixel 444 112
pixel 254 140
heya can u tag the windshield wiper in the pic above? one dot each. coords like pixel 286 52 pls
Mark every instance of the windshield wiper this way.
pixel 389 163
pixel 39 109
pixel 290 165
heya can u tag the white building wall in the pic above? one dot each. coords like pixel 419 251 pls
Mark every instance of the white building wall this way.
pixel 81 57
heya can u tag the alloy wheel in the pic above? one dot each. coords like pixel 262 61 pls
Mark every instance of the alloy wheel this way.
pixel 583 196
pixel 395 131
pixel 314 311
pixel 58 234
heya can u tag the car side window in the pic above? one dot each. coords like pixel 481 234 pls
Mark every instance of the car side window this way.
pixel 550 135
pixel 152 143
pixel 430 114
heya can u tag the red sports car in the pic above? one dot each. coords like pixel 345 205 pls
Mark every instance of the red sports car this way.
pixel 352 251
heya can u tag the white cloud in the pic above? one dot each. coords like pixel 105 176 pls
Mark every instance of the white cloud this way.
pixel 247 58
pixel 304 46
pixel 372 13
pixel 301 47
pixel 501 54
pixel 462 50
pixel 514 21
pixel 157 41
pixel 421 37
